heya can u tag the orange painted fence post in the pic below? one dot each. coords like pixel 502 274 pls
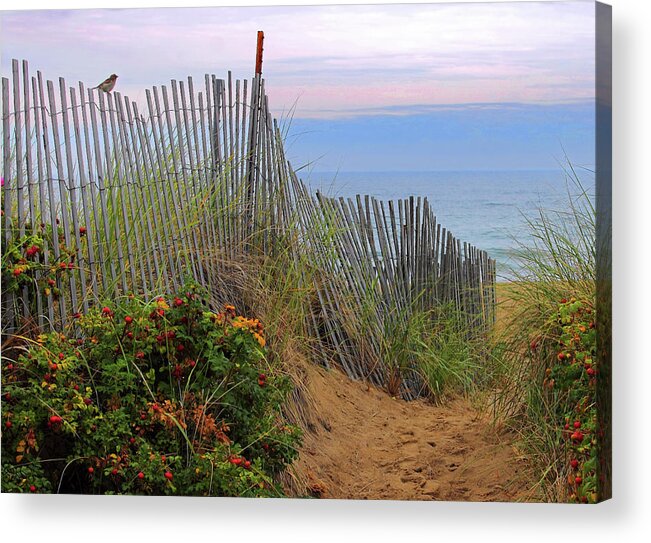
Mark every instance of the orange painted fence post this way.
pixel 258 56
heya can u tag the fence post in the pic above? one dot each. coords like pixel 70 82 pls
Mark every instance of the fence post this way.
pixel 258 54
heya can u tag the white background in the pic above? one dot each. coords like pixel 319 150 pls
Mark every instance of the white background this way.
pixel 625 518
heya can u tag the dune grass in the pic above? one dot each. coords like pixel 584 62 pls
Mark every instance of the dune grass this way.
pixel 557 263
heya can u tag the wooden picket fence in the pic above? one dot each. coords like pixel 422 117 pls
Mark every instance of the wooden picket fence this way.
pixel 129 201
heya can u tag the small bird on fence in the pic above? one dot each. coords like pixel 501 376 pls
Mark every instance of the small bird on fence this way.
pixel 108 84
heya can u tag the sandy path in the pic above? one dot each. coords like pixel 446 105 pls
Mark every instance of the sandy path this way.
pixel 371 446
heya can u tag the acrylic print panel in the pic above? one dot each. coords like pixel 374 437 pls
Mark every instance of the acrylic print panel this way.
pixel 308 252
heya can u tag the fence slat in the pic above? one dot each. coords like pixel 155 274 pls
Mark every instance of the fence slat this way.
pixel 8 314
pixel 85 201
pixel 20 172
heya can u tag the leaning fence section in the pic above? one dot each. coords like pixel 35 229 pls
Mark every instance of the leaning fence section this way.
pixel 104 197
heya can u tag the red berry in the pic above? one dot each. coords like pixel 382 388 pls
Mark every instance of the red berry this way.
pixel 91 470
pixel 180 347
pixel 32 488
pixel 141 475
pixel 82 230
pixel 192 363
pixel 578 480
pixel 247 464
pixel 261 382
pixel 132 440
pixel 8 424
pixel 140 355
pixel 577 424
pixel 577 436
pixel 178 302
pixel 76 316
pixel 31 251
pixel 54 419
pixel 114 471
pixel 168 475
pixel 590 372
pixel 574 463
pixel 88 401
pixel 143 416
pixel 63 265
pixel 51 282
pixel 130 335
pixel 564 300
pixel 17 271
pixel 70 265
pixel 10 367
pixel 128 319
pixel 236 460
pixel 262 377
pixel 76 387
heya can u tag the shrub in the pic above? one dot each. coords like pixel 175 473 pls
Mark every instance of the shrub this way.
pixel 155 398
pixel 571 379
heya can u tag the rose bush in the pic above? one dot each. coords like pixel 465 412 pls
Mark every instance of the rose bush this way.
pixel 158 397
pixel 571 378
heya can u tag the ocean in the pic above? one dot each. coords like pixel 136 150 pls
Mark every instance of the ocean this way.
pixel 485 208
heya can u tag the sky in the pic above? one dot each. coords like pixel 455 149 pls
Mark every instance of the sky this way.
pixel 359 88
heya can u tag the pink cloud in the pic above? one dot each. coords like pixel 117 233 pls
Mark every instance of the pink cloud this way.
pixel 330 60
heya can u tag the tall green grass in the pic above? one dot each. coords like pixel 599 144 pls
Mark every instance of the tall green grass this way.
pixel 557 262
pixel 435 345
